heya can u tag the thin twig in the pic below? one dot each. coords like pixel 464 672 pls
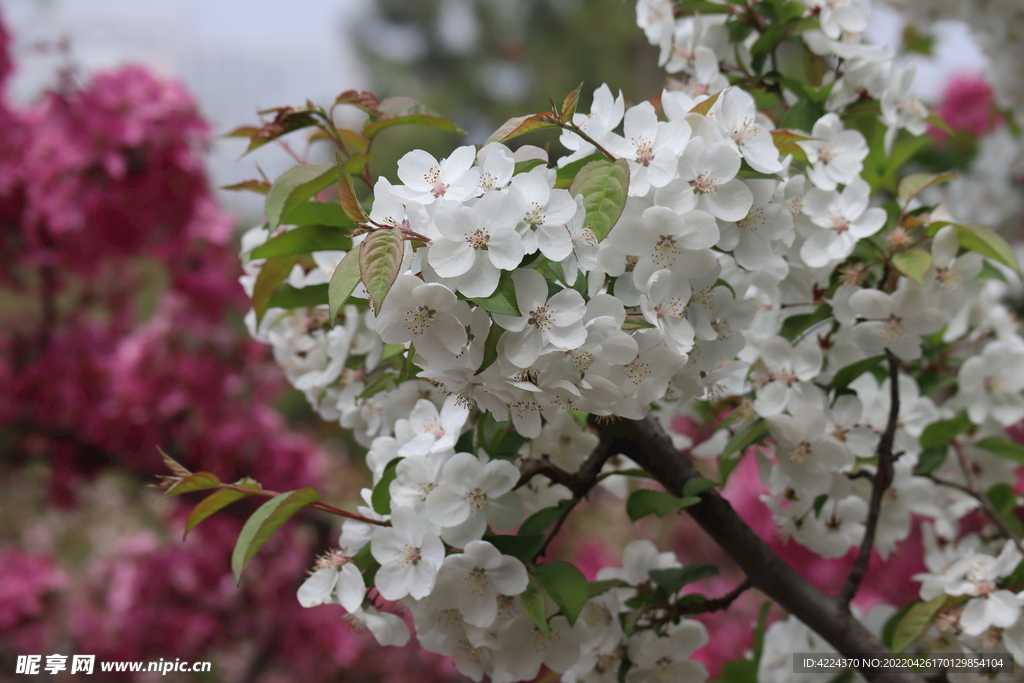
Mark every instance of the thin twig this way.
pixel 883 478
pixel 986 504
pixel 718 604
pixel 580 483
pixel 573 128
pixel 324 507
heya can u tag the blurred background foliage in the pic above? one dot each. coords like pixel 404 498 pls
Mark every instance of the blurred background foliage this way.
pixel 481 62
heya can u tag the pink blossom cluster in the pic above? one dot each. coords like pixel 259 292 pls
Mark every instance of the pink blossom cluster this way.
pixel 968 106
pixel 105 205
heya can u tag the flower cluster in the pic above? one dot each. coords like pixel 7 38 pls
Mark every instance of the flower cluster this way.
pixel 749 257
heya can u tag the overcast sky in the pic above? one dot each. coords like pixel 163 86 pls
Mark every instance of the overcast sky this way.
pixel 237 56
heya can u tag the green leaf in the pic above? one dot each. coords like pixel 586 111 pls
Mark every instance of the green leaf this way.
pixel 303 240
pixel 940 123
pixel 570 102
pixel 930 460
pixel 509 444
pixel 405 111
pixel 257 186
pixel 697 486
pixel 892 622
pixel 767 41
pixel 939 434
pixel 490 347
pixel 603 185
pixel 347 195
pixel 635 322
pixel 598 587
pixel 645 502
pixel 913 263
pixel 289 297
pixel 264 522
pixel 380 499
pixel 194 482
pixel 216 501
pixel 1015 578
pixel 759 631
pixel 365 562
pixel 541 520
pixel 522 547
pixel 932 382
pixel 794 325
pixel 568 172
pixel 750 174
pixel 1002 497
pixel 916 621
pixel 1003 447
pixel 802 115
pixel 845 375
pixel 704 107
pixel 343 282
pixel 915 183
pixel 916 41
pixel 380 259
pixel 738 671
pixel 566 585
pixel 504 298
pixel 272 275
pixel 295 186
pixel 987 243
pixel 532 602
pixel 744 438
pixel 673 579
pixel 318 213
pixel 701 6
pixel 518 125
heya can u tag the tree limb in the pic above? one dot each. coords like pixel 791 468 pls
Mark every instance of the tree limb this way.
pixel 646 443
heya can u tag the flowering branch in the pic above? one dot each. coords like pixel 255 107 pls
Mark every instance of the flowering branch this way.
pixel 645 442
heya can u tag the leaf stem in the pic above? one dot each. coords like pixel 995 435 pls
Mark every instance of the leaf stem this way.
pixel 324 507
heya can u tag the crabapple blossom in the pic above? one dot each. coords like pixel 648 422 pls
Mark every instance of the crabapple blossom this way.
pixel 340 583
pixel 424 313
pixel 651 147
pixel 472 581
pixel 409 555
pixel 428 180
pixel 844 218
pixel 469 495
pixel 991 383
pixel 429 431
pixel 836 155
pixel 477 243
pixel 707 182
pixel 894 321
pixel 557 321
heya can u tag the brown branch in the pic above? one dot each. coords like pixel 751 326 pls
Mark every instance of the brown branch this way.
pixel 645 442
pixel 883 478
pixel 579 482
